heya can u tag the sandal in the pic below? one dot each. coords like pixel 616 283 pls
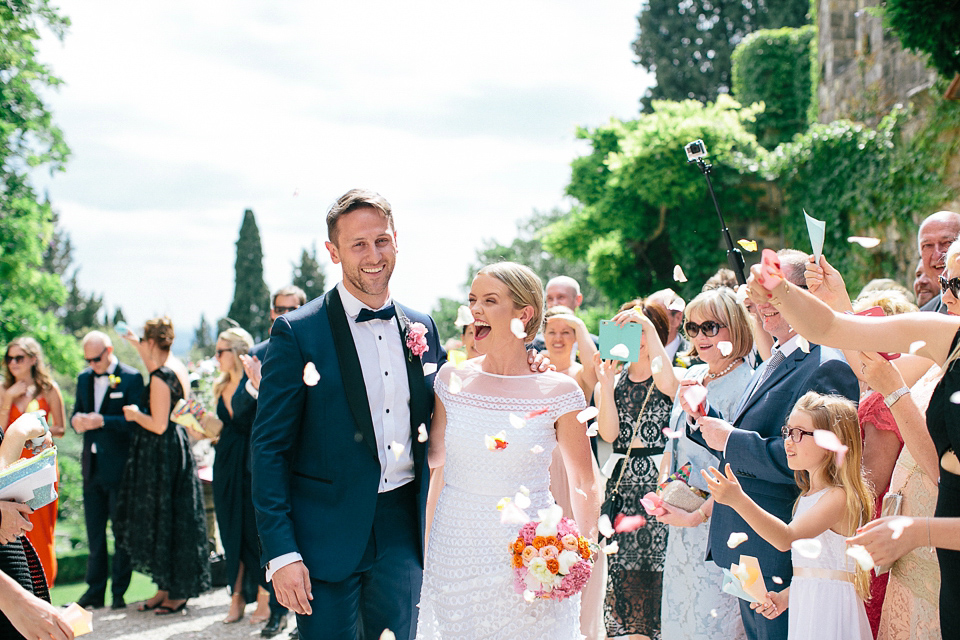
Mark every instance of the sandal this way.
pixel 146 606
pixel 166 610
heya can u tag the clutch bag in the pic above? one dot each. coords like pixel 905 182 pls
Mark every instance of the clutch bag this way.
pixel 891 505
pixel 679 494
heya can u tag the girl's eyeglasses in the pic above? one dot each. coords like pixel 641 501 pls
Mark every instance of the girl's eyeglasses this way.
pixel 953 284
pixel 794 433
pixel 709 328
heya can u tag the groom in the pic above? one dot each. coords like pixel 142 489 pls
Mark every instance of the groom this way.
pixel 339 474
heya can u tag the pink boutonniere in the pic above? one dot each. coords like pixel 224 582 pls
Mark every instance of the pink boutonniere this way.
pixel 417 338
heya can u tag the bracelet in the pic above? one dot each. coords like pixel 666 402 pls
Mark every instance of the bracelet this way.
pixel 896 395
pixel 706 517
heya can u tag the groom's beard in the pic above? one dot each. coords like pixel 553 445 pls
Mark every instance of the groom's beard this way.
pixel 370 284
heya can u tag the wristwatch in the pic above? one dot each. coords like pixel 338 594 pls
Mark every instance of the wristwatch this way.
pixel 896 395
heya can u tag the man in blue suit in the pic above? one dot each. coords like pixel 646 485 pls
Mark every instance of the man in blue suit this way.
pixel 753 446
pixel 339 480
pixel 103 389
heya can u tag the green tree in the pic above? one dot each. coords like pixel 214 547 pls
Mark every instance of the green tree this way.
pixel 29 139
pixel 80 310
pixel 445 314
pixel 251 299
pixel 308 275
pixel 203 338
pixel 688 43
pixel 928 26
pixel 117 317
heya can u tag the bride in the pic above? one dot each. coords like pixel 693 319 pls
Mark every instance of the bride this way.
pixel 468 582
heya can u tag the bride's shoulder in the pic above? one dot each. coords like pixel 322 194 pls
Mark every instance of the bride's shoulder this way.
pixel 557 384
pixel 463 370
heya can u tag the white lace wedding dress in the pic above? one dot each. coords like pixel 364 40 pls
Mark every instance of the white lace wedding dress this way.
pixel 468 581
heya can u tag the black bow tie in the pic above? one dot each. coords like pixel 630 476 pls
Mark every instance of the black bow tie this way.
pixel 386 313
pixel 100 375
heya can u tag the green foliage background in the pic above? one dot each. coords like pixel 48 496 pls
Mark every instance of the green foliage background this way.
pixel 251 299
pixel 928 26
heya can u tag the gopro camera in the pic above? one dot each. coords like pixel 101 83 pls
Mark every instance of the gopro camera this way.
pixel 695 150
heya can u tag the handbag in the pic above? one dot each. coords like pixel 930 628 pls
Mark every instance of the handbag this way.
pixel 613 502
pixel 892 505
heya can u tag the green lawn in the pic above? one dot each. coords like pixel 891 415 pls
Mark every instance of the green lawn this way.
pixel 141 588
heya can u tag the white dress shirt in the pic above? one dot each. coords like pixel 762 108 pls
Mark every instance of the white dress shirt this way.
pixel 102 383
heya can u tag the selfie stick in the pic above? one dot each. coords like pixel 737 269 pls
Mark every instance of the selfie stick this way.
pixel 734 256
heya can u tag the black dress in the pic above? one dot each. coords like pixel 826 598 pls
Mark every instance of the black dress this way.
pixel 943 422
pixel 160 515
pixel 635 582
pixel 232 495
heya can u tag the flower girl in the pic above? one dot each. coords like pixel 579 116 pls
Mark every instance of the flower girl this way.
pixel 826 596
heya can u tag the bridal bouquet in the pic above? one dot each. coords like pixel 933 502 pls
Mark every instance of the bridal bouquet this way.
pixel 550 561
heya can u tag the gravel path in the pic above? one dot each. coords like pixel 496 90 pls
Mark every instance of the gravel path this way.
pixel 203 620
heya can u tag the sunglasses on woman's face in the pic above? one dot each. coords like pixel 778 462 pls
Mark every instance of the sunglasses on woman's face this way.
pixel 794 433
pixel 709 328
pixel 7 359
pixel 953 284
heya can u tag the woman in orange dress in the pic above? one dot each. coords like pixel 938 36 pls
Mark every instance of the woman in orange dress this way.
pixel 27 386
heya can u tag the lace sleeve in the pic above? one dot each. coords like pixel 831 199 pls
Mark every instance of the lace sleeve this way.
pixel 872 409
pixel 568 402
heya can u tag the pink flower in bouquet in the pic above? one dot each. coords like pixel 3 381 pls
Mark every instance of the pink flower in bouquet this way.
pixel 417 338
pixel 549 551
pixel 528 554
pixel 554 567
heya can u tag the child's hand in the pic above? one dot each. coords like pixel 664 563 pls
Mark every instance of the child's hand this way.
pixel 725 489
pixel 26 427
pixel 775 604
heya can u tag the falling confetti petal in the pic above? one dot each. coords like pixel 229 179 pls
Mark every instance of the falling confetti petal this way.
pixel 861 555
pixel 593 430
pixel 310 375
pixel 916 346
pixel 897 525
pixel 497 442
pixel 621 351
pixel 864 241
pixel 605 527
pixel 397 449
pixel 512 514
pixel 529 596
pixel 581 491
pixel 457 358
pixel 388 635
pixel 828 440
pixel 955 397
pixel 538 412
pixel 672 435
pixel 517 422
pixel 626 524
pixel 736 539
pixel 464 316
pixel 517 328
pixel 611 548
pixel 713 613
pixel 429 367
pixel 587 414
pixel 678 274
pixel 524 491
pixel 695 395
pixel 656 365
pixel 522 501
pixel 803 344
pixel 807 547
pixel 651 503
pixel 725 347
pixel 741 293
pixel 777 580
pixel 747 245
pixel 536 449
pixel 455 383
pixel 677 304
pixel 422 433
pixel 503 502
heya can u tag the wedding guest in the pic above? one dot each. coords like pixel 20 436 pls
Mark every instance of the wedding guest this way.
pixel 722 278
pixel 673 306
pixel 633 414
pixel 103 389
pixel 470 342
pixel 160 514
pixel 721 337
pixel 884 285
pixel 562 291
pixel 935 235
pixel 27 386
pixel 924 286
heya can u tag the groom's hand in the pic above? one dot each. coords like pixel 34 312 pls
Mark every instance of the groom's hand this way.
pixel 292 586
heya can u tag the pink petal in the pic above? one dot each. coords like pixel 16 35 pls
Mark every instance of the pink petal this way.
pixel 828 440
pixel 626 523
pixel 672 435
pixel 695 395
pixel 538 412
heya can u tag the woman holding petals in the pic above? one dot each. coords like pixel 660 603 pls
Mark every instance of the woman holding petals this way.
pixel 635 574
pixel 495 426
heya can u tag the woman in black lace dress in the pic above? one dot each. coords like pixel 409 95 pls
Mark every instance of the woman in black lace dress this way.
pixel 635 576
pixel 160 515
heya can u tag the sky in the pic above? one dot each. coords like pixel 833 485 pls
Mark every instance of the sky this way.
pixel 180 115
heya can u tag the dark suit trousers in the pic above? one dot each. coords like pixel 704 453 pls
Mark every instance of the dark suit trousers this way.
pixel 99 505
pixel 384 591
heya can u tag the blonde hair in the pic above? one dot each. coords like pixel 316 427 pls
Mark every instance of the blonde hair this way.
pixel 239 342
pixel 721 306
pixel 892 301
pixel 526 290
pixel 39 373
pixel 838 415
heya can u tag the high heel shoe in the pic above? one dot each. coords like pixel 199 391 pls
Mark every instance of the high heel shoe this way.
pixel 146 605
pixel 165 610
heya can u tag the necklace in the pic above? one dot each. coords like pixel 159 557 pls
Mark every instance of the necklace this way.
pixel 713 376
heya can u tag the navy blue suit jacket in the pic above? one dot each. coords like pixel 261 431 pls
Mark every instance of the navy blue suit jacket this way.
pixel 113 439
pixel 756 455
pixel 316 471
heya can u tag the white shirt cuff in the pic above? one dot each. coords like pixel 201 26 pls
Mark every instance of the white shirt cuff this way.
pixel 282 561
pixel 251 389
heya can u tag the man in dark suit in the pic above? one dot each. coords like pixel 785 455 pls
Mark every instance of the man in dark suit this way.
pixel 339 474
pixel 753 446
pixel 936 233
pixel 103 389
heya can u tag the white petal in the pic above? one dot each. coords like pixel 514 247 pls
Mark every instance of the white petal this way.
pixel 672 435
pixel 524 491
pixel 916 346
pixel 955 397
pixel 678 274
pixel 807 547
pixel 310 375
pixel 605 526
pixel 777 580
pixel 593 430
pixel 517 328
pixel 387 634
pixel 455 383
pixel 861 555
pixel 397 449
pixel 897 525
pixel 656 365
pixel 828 440
pixel 803 344
pixel 536 449
pixel 587 414
pixel 677 305
pixel 464 316
pixel 725 347
pixel 736 539
pixel 621 351
pixel 429 367
pixel 580 491
pixel 422 433
pixel 551 516
pixel 512 514
pixel 517 422
pixel 713 613
pixel 529 596
pixel 741 294
pixel 864 241
pixel 522 501
pixel 611 548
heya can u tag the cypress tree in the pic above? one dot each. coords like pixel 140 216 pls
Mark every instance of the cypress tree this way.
pixel 308 275
pixel 250 296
